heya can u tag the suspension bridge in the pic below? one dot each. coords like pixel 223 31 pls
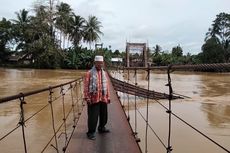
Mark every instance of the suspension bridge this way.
pixel 122 138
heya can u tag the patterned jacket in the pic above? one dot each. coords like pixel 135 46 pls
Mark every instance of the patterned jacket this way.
pixel 98 96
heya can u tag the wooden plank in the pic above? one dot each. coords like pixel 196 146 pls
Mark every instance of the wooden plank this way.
pixel 120 139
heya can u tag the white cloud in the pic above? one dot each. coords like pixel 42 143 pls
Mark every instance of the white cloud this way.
pixel 163 22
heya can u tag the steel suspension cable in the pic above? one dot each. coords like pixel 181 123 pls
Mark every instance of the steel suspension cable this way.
pixel 175 115
pixel 29 118
pixel 59 128
pixel 24 122
pixel 51 100
pixel 161 141
pixel 56 131
pixel 225 149
pixel 10 132
pixel 74 125
pixel 9 98
pixel 219 67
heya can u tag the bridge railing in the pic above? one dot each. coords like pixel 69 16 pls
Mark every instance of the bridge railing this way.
pixel 58 117
pixel 126 102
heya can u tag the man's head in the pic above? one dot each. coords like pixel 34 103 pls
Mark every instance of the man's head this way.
pixel 98 62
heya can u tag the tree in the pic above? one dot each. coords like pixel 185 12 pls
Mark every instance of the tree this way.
pixel 156 50
pixel 92 30
pixel 212 51
pixel 220 30
pixel 22 19
pixel 36 36
pixel 117 53
pixel 156 56
pixel 63 20
pixel 40 22
pixel 165 59
pixel 5 38
pixel 21 25
pixel 79 58
pixel 177 51
pixel 76 29
pixel 44 47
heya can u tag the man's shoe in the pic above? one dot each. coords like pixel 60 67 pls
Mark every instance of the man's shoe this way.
pixel 103 130
pixel 91 136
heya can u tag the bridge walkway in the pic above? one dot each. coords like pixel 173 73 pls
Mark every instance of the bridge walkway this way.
pixel 120 139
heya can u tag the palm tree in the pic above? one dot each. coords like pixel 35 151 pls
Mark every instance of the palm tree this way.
pixel 22 18
pixel 64 13
pixel 76 29
pixel 157 50
pixel 92 30
pixel 22 24
pixel 221 30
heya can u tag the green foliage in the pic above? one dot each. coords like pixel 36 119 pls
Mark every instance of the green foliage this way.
pixel 217 41
pixel 177 51
pixel 157 59
pixel 92 30
pixel 22 30
pixel 43 36
pixel 45 53
pixel 79 58
pixel 117 53
pixel 76 29
pixel 5 38
pixel 157 50
pixel 212 51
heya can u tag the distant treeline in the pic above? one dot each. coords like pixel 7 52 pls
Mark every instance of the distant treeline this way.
pixel 52 36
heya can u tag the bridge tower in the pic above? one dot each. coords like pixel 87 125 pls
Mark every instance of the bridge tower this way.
pixel 136 54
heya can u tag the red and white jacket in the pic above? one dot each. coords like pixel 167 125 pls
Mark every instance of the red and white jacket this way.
pixel 98 96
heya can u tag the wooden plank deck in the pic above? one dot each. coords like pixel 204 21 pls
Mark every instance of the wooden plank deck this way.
pixel 120 139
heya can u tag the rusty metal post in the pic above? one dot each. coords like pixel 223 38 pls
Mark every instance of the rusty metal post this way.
pixel 169 148
pixel 22 120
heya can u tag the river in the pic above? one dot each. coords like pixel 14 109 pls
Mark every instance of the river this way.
pixel 207 109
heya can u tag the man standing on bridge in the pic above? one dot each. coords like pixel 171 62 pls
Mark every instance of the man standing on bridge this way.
pixel 97 96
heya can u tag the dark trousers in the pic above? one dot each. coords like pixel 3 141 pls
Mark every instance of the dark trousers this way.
pixel 95 111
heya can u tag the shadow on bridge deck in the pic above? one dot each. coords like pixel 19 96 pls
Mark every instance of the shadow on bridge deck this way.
pixel 120 139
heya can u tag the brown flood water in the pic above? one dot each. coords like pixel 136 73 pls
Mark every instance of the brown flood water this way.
pixel 39 129
pixel 208 109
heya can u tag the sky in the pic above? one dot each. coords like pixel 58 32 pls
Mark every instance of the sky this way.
pixel 167 23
